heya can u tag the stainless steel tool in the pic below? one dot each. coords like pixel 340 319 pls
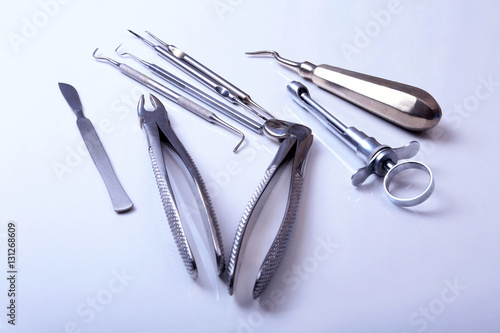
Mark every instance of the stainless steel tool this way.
pixel 381 160
pixel 172 95
pixel 250 123
pixel 296 141
pixel 206 76
pixel 120 200
pixel 159 133
pixel 406 106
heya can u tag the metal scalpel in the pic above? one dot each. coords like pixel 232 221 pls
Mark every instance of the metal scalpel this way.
pixel 171 95
pixel 406 106
pixel 380 159
pixel 120 200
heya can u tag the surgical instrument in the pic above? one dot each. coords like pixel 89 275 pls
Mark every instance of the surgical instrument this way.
pixel 380 159
pixel 406 106
pixel 197 93
pixel 119 199
pixel 296 141
pixel 171 95
pixel 159 132
pixel 204 75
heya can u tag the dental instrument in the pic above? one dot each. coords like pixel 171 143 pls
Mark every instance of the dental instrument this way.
pixel 380 159
pixel 406 106
pixel 160 134
pixel 171 95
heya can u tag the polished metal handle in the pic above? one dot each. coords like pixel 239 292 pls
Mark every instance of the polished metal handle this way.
pixel 406 106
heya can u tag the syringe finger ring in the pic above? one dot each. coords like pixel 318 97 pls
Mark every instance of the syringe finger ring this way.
pixel 403 166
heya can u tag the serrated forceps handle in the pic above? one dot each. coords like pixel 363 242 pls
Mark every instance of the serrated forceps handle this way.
pixel 294 148
pixel 159 132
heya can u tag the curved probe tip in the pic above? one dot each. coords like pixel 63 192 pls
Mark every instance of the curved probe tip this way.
pixel 109 60
pixel 286 62
pixel 235 150
pixel 264 52
pixel 116 50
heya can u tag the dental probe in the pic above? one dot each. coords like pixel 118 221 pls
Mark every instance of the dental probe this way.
pixel 197 93
pixel 171 95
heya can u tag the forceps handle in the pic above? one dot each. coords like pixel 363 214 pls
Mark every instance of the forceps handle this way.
pixel 294 149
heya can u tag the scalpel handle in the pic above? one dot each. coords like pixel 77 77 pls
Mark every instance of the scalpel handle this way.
pixel 120 200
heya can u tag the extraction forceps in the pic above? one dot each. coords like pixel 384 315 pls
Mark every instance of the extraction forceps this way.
pixel 159 132
pixel 296 141
pixel 206 76
pixel 380 159
pixel 171 95
pixel 252 124
pixel 406 106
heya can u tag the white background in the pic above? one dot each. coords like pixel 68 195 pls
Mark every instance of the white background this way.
pixel 355 263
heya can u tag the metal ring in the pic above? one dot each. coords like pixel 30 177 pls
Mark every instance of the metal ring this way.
pixel 400 167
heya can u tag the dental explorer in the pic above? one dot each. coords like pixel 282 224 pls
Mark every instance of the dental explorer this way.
pixel 171 95
pixel 197 93
pixel 380 159
pixel 204 75
pixel 406 106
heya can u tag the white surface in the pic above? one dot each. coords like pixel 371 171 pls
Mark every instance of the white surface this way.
pixel 356 263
